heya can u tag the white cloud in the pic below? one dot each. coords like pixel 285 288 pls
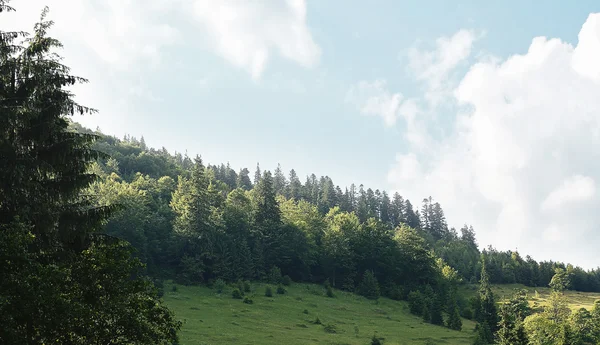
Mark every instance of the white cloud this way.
pixel 434 67
pixel 373 98
pixel 573 189
pixel 524 142
pixel 245 32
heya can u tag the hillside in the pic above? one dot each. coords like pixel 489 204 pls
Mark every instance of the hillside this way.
pixel 215 319
pixel 538 296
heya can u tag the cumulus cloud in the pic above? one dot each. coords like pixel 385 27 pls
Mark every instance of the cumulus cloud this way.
pixel 246 32
pixel 522 160
pixel 374 99
pixel 122 46
pixel 434 67
pixel 573 189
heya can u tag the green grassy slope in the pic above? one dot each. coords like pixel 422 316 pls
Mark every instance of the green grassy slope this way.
pixel 213 319
pixel 575 299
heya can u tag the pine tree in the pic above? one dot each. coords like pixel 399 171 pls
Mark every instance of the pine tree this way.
pixel 257 174
pixel 487 316
pixel 294 187
pixel 412 217
pixel 62 282
pixel 362 206
pixel 436 310
pixel 384 212
pixel 243 180
pixel 279 182
pixel 454 322
pixel 369 287
pixel 266 209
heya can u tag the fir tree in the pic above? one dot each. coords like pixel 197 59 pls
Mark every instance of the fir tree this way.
pixel 62 282
pixel 454 321
pixel 369 287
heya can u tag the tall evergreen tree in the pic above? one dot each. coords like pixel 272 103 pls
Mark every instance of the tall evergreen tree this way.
pixel 487 315
pixel 243 179
pixel 257 174
pixel 412 217
pixel 279 181
pixel 295 186
pixel 384 211
pixel 62 281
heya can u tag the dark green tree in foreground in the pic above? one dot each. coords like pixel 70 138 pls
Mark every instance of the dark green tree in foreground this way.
pixel 513 312
pixel 487 314
pixel 62 282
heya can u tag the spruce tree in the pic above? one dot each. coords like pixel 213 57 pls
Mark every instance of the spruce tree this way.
pixel 454 321
pixel 436 310
pixel 487 316
pixel 279 182
pixel 294 187
pixel 369 287
pixel 243 179
pixel 63 282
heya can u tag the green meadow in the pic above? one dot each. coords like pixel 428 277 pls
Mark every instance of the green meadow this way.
pixel 215 319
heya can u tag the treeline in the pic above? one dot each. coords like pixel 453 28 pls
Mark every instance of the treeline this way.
pixel 303 223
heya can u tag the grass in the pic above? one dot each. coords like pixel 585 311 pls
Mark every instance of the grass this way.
pixel 214 319
pixel 575 299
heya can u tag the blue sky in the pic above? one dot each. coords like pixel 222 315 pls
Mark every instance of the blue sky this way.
pixel 450 99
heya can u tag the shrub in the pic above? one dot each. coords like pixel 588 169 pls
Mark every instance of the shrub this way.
pixel 375 340
pixel 281 290
pixel 395 292
pixel 330 328
pixel 174 288
pixel 454 321
pixel 467 313
pixel 275 275
pixel 240 286
pixel 247 286
pixel 286 280
pixel 329 292
pixel 305 311
pixel 317 321
pixel 247 300
pixel 328 289
pixel 268 291
pixel 219 285
pixel 369 287
pixel 436 311
pixel 415 302
pixel 236 294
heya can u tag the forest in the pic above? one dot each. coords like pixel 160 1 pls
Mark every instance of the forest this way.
pixel 338 233
pixel 91 225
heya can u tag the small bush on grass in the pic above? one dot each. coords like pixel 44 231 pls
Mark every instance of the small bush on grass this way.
pixel 247 286
pixel 330 328
pixel 268 291
pixel 219 285
pixel 275 275
pixel 247 300
pixel 375 340
pixel 328 289
pixel 236 294
pixel 286 280
pixel 281 290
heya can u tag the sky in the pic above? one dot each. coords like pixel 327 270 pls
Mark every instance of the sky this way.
pixel 493 108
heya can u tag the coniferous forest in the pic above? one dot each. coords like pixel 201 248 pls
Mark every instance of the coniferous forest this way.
pixel 91 224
